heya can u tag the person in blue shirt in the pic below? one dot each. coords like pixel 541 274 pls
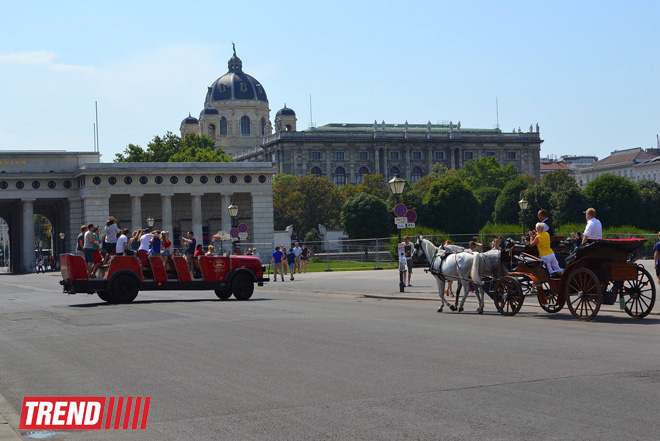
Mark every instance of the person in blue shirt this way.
pixel 277 264
pixel 291 260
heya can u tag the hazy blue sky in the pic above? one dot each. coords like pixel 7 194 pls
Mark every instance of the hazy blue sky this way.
pixel 587 72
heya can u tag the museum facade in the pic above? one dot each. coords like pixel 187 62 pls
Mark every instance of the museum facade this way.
pixel 74 188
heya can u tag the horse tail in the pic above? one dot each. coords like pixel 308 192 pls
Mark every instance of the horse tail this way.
pixel 477 269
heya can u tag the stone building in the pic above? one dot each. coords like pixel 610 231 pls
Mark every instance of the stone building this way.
pixel 346 152
pixel 71 189
pixel 623 163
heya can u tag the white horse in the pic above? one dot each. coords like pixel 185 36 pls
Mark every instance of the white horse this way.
pixel 464 267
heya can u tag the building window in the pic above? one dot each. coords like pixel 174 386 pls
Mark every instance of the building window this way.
pixel 364 155
pixel 263 127
pixel 468 155
pixel 339 155
pixel 340 177
pixel 510 155
pixel 363 171
pixel 417 155
pixel 212 131
pixel 439 155
pixel 394 154
pixel 489 154
pixel 223 126
pixel 416 174
pixel 394 172
pixel 316 171
pixel 245 126
pixel 315 155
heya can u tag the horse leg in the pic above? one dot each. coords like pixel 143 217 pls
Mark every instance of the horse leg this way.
pixel 464 285
pixel 441 292
pixel 479 291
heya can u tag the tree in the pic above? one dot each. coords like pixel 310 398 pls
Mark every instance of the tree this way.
pixel 283 211
pixel 170 148
pixel 539 199
pixel 487 172
pixel 558 180
pixel 615 199
pixel 567 201
pixel 650 194
pixel 374 184
pixel 452 206
pixel 487 196
pixel 365 216
pixel 507 210
pixel 438 172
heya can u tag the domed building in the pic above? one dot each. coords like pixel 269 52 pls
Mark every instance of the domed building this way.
pixel 236 113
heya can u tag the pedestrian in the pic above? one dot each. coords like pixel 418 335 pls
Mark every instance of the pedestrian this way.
pixel 541 239
pixel 165 245
pixel 408 252
pixel 40 265
pixel 475 246
pixel 98 257
pixel 277 264
pixel 594 229
pixel 656 258
pixel 285 267
pixel 256 254
pixel 248 252
pixel 298 253
pixel 307 252
pixel 291 260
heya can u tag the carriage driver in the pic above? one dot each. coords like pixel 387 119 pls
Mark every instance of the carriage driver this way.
pixel 541 239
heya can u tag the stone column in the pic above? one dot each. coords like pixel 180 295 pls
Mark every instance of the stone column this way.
pixel 328 171
pixel 136 212
pixel 261 231
pixel 451 158
pixel 225 218
pixel 28 262
pixel 76 220
pixel 166 216
pixel 197 215
pixel 429 159
pixel 377 161
pixel 408 172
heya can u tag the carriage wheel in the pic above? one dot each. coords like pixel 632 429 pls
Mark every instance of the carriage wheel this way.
pixel 639 295
pixel 583 294
pixel 553 305
pixel 508 296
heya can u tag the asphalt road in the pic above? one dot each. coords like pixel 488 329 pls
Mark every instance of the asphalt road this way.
pixel 315 359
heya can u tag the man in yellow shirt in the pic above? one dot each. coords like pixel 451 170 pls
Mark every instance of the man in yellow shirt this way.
pixel 541 239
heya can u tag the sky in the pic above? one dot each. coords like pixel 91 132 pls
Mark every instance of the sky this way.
pixel 586 71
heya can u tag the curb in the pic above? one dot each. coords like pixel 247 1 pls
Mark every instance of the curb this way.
pixel 7 432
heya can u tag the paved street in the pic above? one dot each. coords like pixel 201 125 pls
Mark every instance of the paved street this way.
pixel 315 358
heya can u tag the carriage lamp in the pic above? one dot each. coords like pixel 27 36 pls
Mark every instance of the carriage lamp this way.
pixel 233 212
pixel 150 222
pixel 396 186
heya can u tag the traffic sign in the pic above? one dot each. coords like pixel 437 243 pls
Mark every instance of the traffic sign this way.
pixel 242 228
pixel 400 210
pixel 401 221
pixel 410 225
pixel 242 235
pixel 233 232
pixel 412 216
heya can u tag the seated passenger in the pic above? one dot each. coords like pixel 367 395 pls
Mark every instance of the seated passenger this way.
pixel 541 239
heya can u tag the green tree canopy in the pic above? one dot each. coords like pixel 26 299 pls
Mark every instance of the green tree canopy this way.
pixel 567 202
pixel 507 210
pixel 650 194
pixel 487 172
pixel 375 185
pixel 487 196
pixel 616 199
pixel 170 148
pixel 365 216
pixel 452 206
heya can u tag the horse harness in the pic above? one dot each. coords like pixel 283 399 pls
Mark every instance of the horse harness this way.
pixel 441 254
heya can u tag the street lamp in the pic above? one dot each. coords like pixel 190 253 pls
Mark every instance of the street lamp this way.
pixel 150 222
pixel 62 236
pixel 523 203
pixel 233 212
pixel 396 186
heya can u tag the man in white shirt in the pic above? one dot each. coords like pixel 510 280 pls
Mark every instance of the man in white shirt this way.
pixel 145 243
pixel 122 241
pixel 594 229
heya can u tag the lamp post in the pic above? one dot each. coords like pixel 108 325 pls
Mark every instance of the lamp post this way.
pixel 233 212
pixel 150 222
pixel 62 236
pixel 396 186
pixel 523 203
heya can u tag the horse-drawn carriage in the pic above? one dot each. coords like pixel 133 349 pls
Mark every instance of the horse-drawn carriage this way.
pixel 597 273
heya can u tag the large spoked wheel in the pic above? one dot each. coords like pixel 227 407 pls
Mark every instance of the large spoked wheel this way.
pixel 223 294
pixel 639 295
pixel 508 296
pixel 242 287
pixel 553 305
pixel 583 294
pixel 124 289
